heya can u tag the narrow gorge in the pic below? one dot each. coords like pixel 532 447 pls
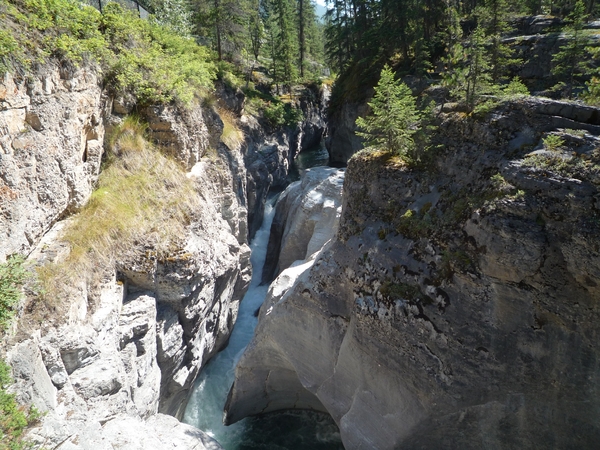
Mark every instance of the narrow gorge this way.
pixel 121 349
pixel 429 279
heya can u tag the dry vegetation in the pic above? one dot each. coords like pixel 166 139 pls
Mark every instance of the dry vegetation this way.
pixel 143 203
pixel 232 136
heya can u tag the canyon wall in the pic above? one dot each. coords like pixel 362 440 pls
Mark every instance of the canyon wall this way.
pixel 104 361
pixel 458 305
pixel 109 363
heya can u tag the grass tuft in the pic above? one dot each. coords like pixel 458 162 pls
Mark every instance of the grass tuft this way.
pixel 232 136
pixel 144 200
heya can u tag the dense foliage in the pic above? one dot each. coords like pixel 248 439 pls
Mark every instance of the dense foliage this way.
pixel 460 43
pixel 138 56
pixel 13 418
pixel 284 32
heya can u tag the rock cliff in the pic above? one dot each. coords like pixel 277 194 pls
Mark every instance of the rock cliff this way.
pixel 269 153
pixel 306 217
pixel 51 135
pixel 112 360
pixel 103 362
pixel 458 305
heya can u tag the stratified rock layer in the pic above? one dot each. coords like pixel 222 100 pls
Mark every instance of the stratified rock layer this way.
pixel 51 145
pixel 120 349
pixel 459 305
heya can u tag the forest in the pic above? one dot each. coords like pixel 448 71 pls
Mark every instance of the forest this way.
pixel 461 46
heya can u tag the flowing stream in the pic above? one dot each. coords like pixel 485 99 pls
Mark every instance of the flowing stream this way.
pixel 289 430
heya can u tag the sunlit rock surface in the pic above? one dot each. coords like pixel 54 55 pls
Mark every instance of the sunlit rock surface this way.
pixel 130 344
pixel 306 216
pixel 458 306
pixel 51 145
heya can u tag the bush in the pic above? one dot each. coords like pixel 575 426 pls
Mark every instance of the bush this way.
pixel 515 88
pixel 13 418
pixel 279 114
pixel 553 142
pixel 275 114
pixel 12 277
pixel 140 56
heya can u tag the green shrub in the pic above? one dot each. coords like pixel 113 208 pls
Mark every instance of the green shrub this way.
pixel 515 88
pixel 12 276
pixel 553 142
pixel 8 45
pixel 274 112
pixel 279 114
pixel 13 418
pixel 139 56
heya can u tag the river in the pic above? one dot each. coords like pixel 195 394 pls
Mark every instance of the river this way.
pixel 288 430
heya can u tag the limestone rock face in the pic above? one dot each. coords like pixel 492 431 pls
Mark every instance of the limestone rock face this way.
pixel 458 306
pixel 128 346
pixel 132 347
pixel 51 145
pixel 183 132
pixel 306 216
pixel 313 103
pixel 269 155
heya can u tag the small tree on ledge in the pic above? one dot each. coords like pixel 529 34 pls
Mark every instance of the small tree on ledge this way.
pixel 393 119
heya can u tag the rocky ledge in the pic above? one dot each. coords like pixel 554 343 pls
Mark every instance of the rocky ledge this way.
pixel 458 305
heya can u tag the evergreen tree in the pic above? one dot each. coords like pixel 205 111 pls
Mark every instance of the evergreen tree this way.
pixel 393 119
pixel 307 34
pixel 571 62
pixel 281 35
pixel 256 29
pixel 592 94
pixel 453 73
pixel 493 18
pixel 223 22
pixel 477 76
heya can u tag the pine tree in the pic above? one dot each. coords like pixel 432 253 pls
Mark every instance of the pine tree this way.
pixel 393 119
pixel 224 23
pixel 571 62
pixel 493 18
pixel 477 77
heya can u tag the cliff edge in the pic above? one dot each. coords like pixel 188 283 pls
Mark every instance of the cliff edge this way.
pixel 458 306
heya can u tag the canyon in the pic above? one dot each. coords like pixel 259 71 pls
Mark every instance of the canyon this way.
pixel 111 363
pixel 449 305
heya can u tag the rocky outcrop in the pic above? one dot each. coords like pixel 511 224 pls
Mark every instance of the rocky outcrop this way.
pixel 342 141
pixel 269 156
pixel 306 216
pixel 313 103
pixel 117 351
pixel 51 139
pixel 458 306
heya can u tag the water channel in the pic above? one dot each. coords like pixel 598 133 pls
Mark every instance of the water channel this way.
pixel 288 430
